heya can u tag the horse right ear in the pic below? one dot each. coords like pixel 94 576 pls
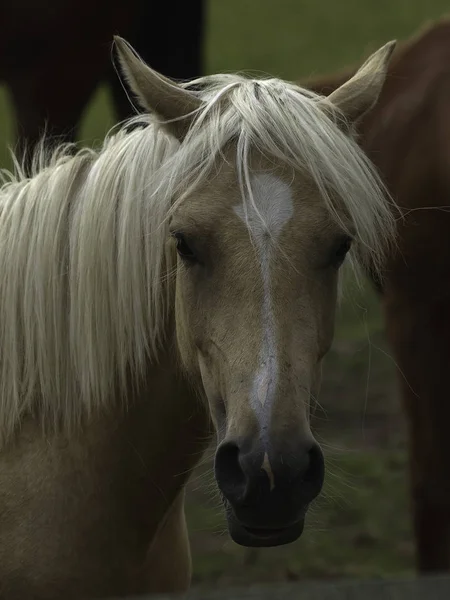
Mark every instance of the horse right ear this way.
pixel 174 105
pixel 360 93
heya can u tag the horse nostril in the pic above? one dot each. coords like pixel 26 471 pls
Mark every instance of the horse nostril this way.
pixel 315 470
pixel 228 471
pixel 243 479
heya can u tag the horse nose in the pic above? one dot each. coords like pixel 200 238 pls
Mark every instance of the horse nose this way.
pixel 248 477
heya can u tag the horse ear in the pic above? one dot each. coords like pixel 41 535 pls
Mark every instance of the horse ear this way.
pixel 359 94
pixel 157 94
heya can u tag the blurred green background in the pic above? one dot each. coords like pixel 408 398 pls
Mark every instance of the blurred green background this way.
pixel 361 525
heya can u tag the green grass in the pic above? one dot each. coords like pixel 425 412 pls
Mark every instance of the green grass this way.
pixel 361 526
pixel 296 38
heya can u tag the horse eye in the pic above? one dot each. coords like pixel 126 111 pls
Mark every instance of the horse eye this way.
pixel 183 249
pixel 341 251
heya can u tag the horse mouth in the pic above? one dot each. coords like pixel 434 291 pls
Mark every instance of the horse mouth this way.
pixel 259 537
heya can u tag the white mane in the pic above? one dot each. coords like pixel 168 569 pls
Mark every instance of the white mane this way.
pixel 84 270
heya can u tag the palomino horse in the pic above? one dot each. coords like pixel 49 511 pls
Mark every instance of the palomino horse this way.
pixel 407 136
pixel 187 271
pixel 69 42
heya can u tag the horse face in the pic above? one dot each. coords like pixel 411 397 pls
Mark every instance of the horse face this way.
pixel 255 304
pixel 260 241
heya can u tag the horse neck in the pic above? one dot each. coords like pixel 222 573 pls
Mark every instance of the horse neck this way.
pixel 169 420
pixel 123 467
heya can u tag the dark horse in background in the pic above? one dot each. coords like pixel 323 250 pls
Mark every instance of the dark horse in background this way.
pixel 69 42
pixel 407 136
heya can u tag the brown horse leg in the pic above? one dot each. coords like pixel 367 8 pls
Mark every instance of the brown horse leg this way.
pixel 419 331
pixel 169 559
pixel 51 98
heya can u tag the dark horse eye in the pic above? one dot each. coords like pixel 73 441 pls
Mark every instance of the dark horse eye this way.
pixel 341 251
pixel 183 248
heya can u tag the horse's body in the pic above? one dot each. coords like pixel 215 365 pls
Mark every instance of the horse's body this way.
pixel 70 42
pixel 185 273
pixel 407 136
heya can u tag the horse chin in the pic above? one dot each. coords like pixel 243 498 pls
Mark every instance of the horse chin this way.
pixel 255 537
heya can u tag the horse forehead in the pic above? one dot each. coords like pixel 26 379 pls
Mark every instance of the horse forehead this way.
pixel 272 205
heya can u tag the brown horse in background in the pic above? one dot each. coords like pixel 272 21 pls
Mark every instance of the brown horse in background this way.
pixel 54 54
pixel 407 136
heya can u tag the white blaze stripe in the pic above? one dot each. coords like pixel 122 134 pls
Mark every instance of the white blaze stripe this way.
pixel 273 199
pixel 268 469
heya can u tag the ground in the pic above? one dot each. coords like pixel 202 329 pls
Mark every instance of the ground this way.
pixel 361 525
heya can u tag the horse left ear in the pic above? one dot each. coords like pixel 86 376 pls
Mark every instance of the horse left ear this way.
pixel 359 94
pixel 157 94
